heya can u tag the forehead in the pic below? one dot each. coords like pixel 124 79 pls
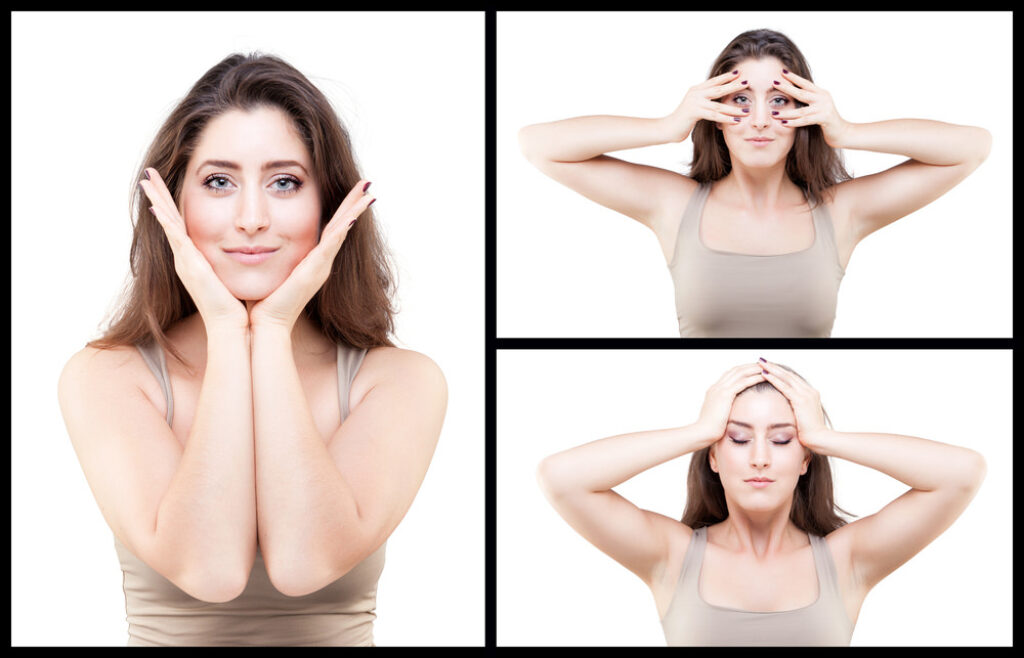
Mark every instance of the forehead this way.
pixel 760 72
pixel 251 135
pixel 762 408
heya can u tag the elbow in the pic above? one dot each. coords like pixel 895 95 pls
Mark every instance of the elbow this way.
pixel 547 477
pixel 984 145
pixel 527 143
pixel 214 587
pixel 309 572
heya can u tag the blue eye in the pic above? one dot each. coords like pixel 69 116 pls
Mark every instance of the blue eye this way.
pixel 294 184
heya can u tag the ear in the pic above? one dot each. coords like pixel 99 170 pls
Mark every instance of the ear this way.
pixel 807 460
pixel 712 461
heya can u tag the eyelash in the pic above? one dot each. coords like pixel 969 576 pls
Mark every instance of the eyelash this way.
pixel 296 184
pixel 778 443
pixel 777 98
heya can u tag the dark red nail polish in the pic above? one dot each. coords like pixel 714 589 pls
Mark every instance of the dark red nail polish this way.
pixel 367 186
pixel 735 118
pixel 736 71
pixel 146 172
pixel 743 82
pixel 774 112
pixel 371 203
pixel 764 372
pixel 761 359
pixel 784 121
pixel 776 82
pixel 785 71
pixel 746 109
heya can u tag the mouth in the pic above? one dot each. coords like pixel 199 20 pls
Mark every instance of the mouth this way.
pixel 760 140
pixel 251 250
pixel 759 482
pixel 250 255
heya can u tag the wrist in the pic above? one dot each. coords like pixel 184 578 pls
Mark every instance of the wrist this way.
pixel 819 441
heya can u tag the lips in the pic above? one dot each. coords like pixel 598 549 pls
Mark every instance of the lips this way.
pixel 251 250
pixel 760 141
pixel 759 480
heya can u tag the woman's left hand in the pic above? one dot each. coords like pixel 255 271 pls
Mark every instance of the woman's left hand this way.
pixel 805 400
pixel 283 306
pixel 819 109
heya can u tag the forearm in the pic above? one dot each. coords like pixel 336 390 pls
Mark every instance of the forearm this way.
pixel 930 142
pixel 208 514
pixel 919 463
pixel 583 138
pixel 606 463
pixel 307 513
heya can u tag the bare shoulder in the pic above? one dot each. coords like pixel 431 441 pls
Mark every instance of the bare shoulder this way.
pixel 407 369
pixel 92 367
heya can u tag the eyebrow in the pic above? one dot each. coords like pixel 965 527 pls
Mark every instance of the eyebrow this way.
pixel 227 164
pixel 771 427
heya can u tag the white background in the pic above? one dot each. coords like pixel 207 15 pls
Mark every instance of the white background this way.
pixel 569 267
pixel 89 92
pixel 555 588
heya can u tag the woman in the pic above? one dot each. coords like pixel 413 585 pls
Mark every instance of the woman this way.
pixel 760 511
pixel 251 481
pixel 758 236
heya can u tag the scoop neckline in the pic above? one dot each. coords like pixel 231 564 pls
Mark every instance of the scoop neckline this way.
pixel 700 597
pixel 700 240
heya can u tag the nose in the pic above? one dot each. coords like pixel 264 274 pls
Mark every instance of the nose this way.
pixel 253 214
pixel 761 114
pixel 759 454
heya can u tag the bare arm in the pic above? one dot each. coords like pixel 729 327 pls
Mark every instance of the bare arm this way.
pixel 578 482
pixel 208 515
pixel 943 480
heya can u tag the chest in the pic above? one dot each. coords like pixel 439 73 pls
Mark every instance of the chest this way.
pixel 319 384
pixel 727 229
pixel 784 583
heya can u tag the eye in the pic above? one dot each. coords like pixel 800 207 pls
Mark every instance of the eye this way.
pixel 211 179
pixel 294 184
pixel 736 99
pixel 781 98
pixel 781 442
pixel 738 441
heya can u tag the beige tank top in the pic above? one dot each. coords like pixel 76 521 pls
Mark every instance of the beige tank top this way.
pixel 690 621
pixel 340 614
pixel 723 294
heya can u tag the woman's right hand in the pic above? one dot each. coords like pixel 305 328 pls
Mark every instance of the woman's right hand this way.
pixel 216 305
pixel 699 104
pixel 714 415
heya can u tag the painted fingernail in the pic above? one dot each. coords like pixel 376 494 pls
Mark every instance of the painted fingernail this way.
pixel 774 112
pixel 764 372
pixel 146 172
pixel 762 359
pixel 353 221
pixel 736 71
pixel 736 118
pixel 367 186
pixel 371 203
pixel 784 121
pixel 743 82
pixel 746 109
pixel 785 71
pixel 776 82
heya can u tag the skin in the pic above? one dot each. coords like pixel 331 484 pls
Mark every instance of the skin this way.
pixel 758 520
pixel 228 208
pixel 758 180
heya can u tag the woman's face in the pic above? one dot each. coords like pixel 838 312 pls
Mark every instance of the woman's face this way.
pixel 761 99
pixel 249 184
pixel 760 442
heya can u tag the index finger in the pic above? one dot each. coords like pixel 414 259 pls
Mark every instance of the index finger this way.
pixel 721 79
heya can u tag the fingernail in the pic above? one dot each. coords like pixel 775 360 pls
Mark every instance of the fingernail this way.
pixel 366 187
pixel 776 82
pixel 371 203
pixel 784 121
pixel 743 82
pixel 762 359
pixel 747 109
pixel 736 118
pixel 353 221
pixel 146 172
pixel 774 112
pixel 736 71
pixel 764 372
pixel 785 71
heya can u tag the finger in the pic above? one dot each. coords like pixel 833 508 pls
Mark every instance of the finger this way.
pixel 773 375
pixel 798 80
pixel 354 195
pixel 339 226
pixel 730 111
pixel 721 79
pixel 786 87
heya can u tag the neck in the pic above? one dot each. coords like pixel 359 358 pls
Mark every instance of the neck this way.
pixel 761 191
pixel 761 534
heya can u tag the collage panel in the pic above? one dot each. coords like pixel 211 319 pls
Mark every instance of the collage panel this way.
pixel 248 319
pixel 754 174
pixel 866 497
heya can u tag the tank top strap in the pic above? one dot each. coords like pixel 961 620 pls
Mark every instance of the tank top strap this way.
pixel 349 360
pixel 689 223
pixel 689 575
pixel 153 355
pixel 826 234
pixel 828 580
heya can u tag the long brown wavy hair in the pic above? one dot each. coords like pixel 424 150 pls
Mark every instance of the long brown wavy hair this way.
pixel 811 164
pixel 814 509
pixel 353 306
